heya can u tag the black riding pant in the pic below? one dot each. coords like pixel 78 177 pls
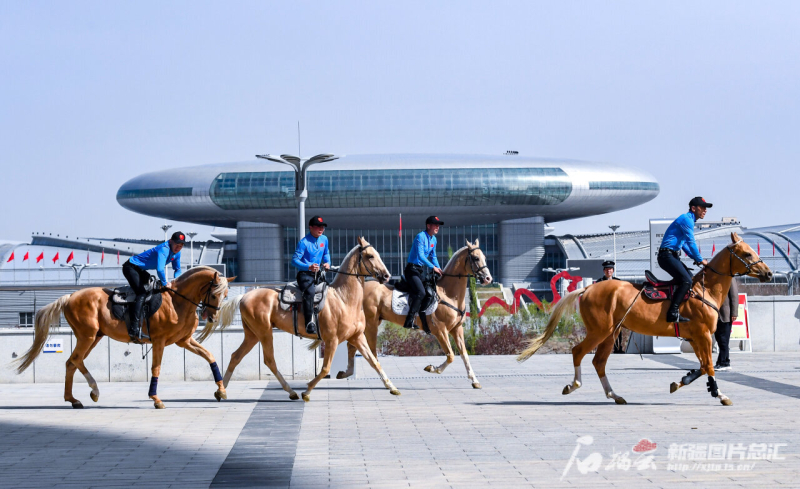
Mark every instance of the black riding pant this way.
pixel 138 278
pixel 416 288
pixel 670 263
pixel 723 336
pixel 306 282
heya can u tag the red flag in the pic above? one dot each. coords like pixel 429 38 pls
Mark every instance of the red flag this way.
pixel 55 258
pixel 400 233
pixel 40 257
pixel 70 257
pixel 103 256
pixel 11 257
pixel 788 248
pixel 25 257
pixel 87 257
pixel 773 248
pixel 759 248
pixel 713 248
pixel 117 257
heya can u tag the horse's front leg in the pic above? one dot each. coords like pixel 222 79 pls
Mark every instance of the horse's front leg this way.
pixel 158 353
pixel 195 347
pixel 461 344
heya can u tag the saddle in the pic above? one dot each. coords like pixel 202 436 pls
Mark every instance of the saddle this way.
pixel 121 300
pixel 291 297
pixel 429 303
pixel 659 290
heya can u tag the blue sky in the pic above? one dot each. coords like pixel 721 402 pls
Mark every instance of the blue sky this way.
pixel 704 95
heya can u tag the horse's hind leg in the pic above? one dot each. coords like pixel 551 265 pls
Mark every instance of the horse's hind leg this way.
pixel 599 361
pixel 75 361
pixel 195 347
pixel 269 361
pixel 351 362
pixel 594 336
pixel 250 340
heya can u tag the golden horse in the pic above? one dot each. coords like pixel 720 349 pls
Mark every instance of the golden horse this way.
pixel 605 306
pixel 467 262
pixel 342 318
pixel 88 312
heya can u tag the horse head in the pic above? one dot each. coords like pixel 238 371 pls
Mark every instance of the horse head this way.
pixel 370 262
pixel 745 261
pixel 477 263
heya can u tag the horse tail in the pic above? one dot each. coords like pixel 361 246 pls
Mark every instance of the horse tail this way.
pixel 561 307
pixel 46 317
pixel 314 344
pixel 226 314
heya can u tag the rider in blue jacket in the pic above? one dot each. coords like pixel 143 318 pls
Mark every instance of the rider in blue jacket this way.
pixel 135 271
pixel 311 254
pixel 680 237
pixel 423 254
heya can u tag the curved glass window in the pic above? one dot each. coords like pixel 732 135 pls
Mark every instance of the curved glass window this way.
pixel 154 192
pixel 652 186
pixel 394 188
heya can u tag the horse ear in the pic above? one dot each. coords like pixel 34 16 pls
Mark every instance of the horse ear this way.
pixel 361 241
pixel 734 237
pixel 231 279
pixel 477 242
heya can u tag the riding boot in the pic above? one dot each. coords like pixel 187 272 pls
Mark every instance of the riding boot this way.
pixel 311 327
pixel 135 326
pixel 409 322
pixel 673 315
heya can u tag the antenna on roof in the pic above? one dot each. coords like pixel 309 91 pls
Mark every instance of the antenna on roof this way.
pixel 299 154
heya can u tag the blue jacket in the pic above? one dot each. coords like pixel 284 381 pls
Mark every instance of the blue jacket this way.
pixel 311 250
pixel 680 236
pixel 157 258
pixel 423 251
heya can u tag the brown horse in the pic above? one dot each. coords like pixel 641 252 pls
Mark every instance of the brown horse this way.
pixel 605 306
pixel 342 318
pixel 88 312
pixel 448 318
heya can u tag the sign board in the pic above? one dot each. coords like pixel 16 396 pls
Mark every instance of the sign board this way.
pixel 661 344
pixel 740 330
pixel 592 269
pixel 54 345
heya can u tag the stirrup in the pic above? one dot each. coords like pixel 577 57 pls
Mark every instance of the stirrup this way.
pixel 311 327
pixel 410 322
pixel 677 318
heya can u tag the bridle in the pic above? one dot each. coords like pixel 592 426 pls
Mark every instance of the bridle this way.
pixel 473 262
pixel 370 273
pixel 747 265
pixel 204 303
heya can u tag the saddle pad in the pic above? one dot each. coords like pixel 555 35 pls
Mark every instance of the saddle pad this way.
pixel 400 304
pixel 152 305
pixel 291 294
pixel 660 293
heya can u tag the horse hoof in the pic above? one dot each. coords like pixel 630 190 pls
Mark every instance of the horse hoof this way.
pixel 306 397
pixel 726 402
pixel 429 368
pixel 476 385
pixel 673 387
pixel 620 400
pixel 342 375
pixel 77 405
pixel 159 405
pixel 95 396
pixel 293 396
pixel 220 395
pixel 566 390
pixel 394 392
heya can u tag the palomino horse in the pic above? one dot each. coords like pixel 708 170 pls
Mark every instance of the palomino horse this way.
pixel 605 306
pixel 88 312
pixel 342 318
pixel 448 318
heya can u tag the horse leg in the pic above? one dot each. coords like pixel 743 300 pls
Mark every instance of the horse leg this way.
pixel 250 340
pixel 330 349
pixel 155 370
pixel 444 344
pixel 599 361
pixel 351 362
pixel 362 345
pixel 702 347
pixel 195 347
pixel 269 361
pixel 75 361
pixel 593 338
pixel 462 347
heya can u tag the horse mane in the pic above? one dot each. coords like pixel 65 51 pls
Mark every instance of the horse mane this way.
pixel 345 266
pixel 219 288
pixel 452 263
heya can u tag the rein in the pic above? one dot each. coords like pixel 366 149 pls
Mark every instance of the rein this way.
pixel 371 273
pixel 747 265
pixel 471 259
pixel 203 303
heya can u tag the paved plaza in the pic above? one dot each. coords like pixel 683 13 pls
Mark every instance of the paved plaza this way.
pixel 518 431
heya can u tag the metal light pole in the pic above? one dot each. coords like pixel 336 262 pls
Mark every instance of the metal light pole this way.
pixel 614 231
pixel 300 192
pixel 77 269
pixel 165 228
pixel 191 244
